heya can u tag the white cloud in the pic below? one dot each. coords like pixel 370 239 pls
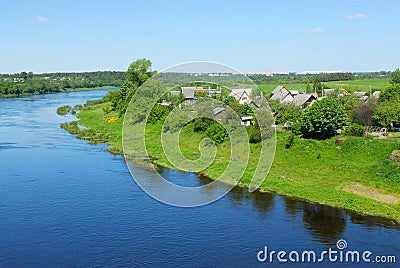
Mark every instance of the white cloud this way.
pixel 356 16
pixel 42 19
pixel 315 30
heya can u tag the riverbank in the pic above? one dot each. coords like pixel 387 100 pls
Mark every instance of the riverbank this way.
pixel 356 176
pixel 65 90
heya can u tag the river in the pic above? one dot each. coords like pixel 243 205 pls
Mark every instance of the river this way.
pixel 67 203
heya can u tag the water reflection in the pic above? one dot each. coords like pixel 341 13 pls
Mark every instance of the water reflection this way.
pixel 326 224
pixel 261 202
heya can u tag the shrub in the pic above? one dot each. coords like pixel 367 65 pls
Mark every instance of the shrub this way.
pixel 64 110
pixel 255 133
pixel 216 133
pixel 355 130
pixel 289 141
pixel 297 128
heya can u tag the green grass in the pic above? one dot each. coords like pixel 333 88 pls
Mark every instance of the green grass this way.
pixel 353 85
pixel 311 170
pixel 360 85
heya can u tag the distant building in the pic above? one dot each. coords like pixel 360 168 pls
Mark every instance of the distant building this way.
pixel 188 93
pixel 243 95
pixel 246 120
pixel 362 95
pixel 376 94
pixel 305 99
pixel 328 91
pixel 218 113
pixel 282 94
pixel 175 93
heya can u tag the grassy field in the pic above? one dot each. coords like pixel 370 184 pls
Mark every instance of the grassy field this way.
pixel 353 85
pixel 360 85
pixel 356 176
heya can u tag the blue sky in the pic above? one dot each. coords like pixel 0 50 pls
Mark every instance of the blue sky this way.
pixel 347 35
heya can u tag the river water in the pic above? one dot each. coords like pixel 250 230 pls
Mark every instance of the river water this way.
pixel 66 203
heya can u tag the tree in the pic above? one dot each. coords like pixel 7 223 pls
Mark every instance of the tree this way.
pixel 217 133
pixel 158 113
pixel 394 77
pixel 391 92
pixel 246 109
pixel 323 117
pixel 139 71
pixel 317 85
pixel 235 106
pixel 363 113
pixel 388 113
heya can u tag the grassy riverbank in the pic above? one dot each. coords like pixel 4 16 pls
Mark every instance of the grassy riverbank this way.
pixel 357 175
pixel 64 90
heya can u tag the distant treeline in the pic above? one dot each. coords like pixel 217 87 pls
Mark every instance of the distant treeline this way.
pixel 28 83
pixel 294 78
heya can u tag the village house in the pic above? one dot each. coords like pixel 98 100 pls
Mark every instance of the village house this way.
pixel 362 95
pixel 282 94
pixel 305 99
pixel 243 95
pixel 218 113
pixel 246 121
pixel 188 93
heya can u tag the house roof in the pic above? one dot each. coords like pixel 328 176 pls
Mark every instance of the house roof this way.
pixel 361 93
pixel 280 96
pixel 188 92
pixel 218 110
pixel 328 91
pixel 238 92
pixel 278 89
pixel 175 93
pixel 302 99
pixel 376 94
pixel 246 118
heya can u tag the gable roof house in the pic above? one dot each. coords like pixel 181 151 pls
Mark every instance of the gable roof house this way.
pixel 362 95
pixel 243 95
pixel 305 99
pixel 188 93
pixel 218 113
pixel 282 94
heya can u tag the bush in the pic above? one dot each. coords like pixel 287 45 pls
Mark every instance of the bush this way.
pixel 297 128
pixel 201 124
pixel 216 133
pixel 255 133
pixel 289 141
pixel 64 110
pixel 355 130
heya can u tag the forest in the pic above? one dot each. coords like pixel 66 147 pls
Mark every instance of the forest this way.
pixel 28 83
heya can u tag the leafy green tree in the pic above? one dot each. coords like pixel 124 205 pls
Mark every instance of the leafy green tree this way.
pixel 317 85
pixel 394 77
pixel 139 71
pixel 323 117
pixel 216 133
pixel 390 93
pixel 246 109
pixel 235 106
pixel 201 124
pixel 158 113
pixel 388 113
pixel 229 99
